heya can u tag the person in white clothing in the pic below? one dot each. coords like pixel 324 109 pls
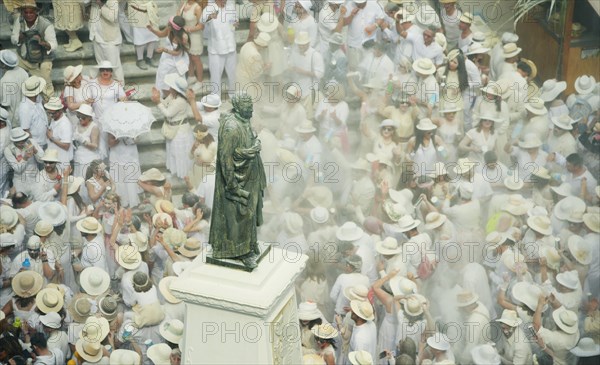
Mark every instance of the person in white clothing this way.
pixel 206 111
pixel 331 20
pixel 302 21
pixel 364 334
pixel 12 77
pixel 450 16
pixel 306 70
pixel 425 47
pixel 93 253
pixel 105 35
pixel 23 154
pixel 31 111
pixel 60 131
pixel 497 54
pixel 362 24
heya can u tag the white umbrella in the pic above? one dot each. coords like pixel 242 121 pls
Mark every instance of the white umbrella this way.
pixel 127 119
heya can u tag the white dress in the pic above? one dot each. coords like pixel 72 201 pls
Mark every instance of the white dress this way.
pixel 176 110
pixel 125 171
pixel 170 64
pixel 104 97
pixel 78 97
pixel 450 134
pixel 83 156
pixel 482 142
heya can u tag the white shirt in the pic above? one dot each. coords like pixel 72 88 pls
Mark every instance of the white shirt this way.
pixel 377 68
pixel 63 132
pixel 33 118
pixel 94 253
pixel 206 189
pixel 342 282
pixel 210 120
pixel 328 20
pixel 433 51
pixel 222 30
pixel 405 47
pixel 308 25
pixel 10 91
pixel 311 60
pixel 575 182
pixel 364 338
pixel 451 30
pixel 365 17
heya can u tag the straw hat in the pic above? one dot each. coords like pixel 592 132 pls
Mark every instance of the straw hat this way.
pixel 439 342
pixel 43 228
pixel 424 66
pixel 426 125
pixel 8 216
pixel 305 127
pixel 363 309
pixel 267 23
pixel 49 300
pixel 580 249
pixel 152 174
pixel 324 330
pixel 404 196
pixel 177 83
pixel 567 206
pixel 95 329
pixel 447 1
pixel 89 351
pixel 434 220
pixel 357 292
pixel 412 305
pixel 81 307
pixel 17 134
pixel 128 257
pixel 463 166
pixel 104 64
pixel 536 106
pixel 174 237
pixel 510 50
pixel 124 357
pixel 302 38
pixel 527 294
pixel 89 225
pixel 54 104
pixel 514 261
pixel 51 320
pixel 308 311
pixel 9 58
pixel 488 115
pixel 319 215
pixel 485 354
pixel 441 40
pixel 585 84
pixel 4 114
pixel 164 206
pixel 139 241
pixel 530 140
pixel 563 122
pixel 53 213
pixel 540 224
pixel 27 284
pixel 592 222
pixel 517 205
pixel 163 220
pixel 466 18
pixel 74 183
pixel 586 348
pixel 493 88
pixel 575 217
pixel 551 89
pixel 70 73
pixel 319 196
pixel 94 280
pixel 465 298
pixel 172 330
pixel 191 248
pixel 569 279
pixel 406 223
pixel 349 232
pixel 86 109
pixel 402 286
pixel 108 307
pixel 389 246
pixel 563 190
pixel 160 353
pixel 511 184
pixel 263 39
pixel 361 357
pixel 33 86
pixel 164 286
pixel 551 255
pixel 476 48
pixel 510 318
pixel 565 319
pixel 211 101
pixel 542 172
pixel 294 90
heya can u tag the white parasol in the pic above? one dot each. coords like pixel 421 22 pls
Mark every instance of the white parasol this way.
pixel 127 119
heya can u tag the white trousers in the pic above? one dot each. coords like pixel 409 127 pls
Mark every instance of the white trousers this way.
pixel 109 52
pixel 219 62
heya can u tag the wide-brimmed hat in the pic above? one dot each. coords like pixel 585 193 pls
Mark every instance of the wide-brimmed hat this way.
pixel 360 357
pixel 8 216
pixel 389 246
pixel 74 183
pixel 510 50
pixel 517 205
pixel 70 73
pixel 89 351
pixel 319 215
pixel 356 292
pixel 510 318
pixel 164 206
pixel 412 305
pixel 54 104
pixel 508 37
pixel 172 330
pixel 451 107
pixel 551 89
pixel 536 106
pixel 563 121
pixel 575 217
pixel 177 83
pixel 439 342
pixel 514 261
pixel 95 329
pixel 160 353
pixel 211 101
pixel 325 330
pixel 164 286
pixel 128 257
pixel 86 109
pixel 191 248
pixel 550 254
pixel 512 183
pixel 540 224
pixel 81 307
pixel 434 220
pixel 476 48
pixel 108 306
pixel 89 225
pixel 592 221
pixel 580 249
pixel 488 115
pixel 263 39
pixel 527 294
pixel 530 140
pixel 49 300
pixel 50 155
pixel 27 284
pixel 466 18
pixel 406 223
pixel 9 58
pixel 33 86
pixel 302 38
pixel 305 127
pixel 94 280
pixel 53 213
pixel 542 172
pixel 349 232
pixel 586 348
pixel 394 211
pixel 426 125
pixel 34 243
pixel 139 240
pixel 163 220
pixel 4 116
pixel 465 298
pixel 267 23
pixel 124 357
pixel 363 309
pixel 424 66
pixel 104 64
pixel 51 320
pixel 17 134
pixel 567 205
pixel 152 174
pixel 563 189
pixel 585 84
pixel 404 196
pixel 485 354
pixel 569 279
pixel 308 311
pixel 494 88
pixel 402 286
pixel 532 65
pixel 174 237
pixel 565 319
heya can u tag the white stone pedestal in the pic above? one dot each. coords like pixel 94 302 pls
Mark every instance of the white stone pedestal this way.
pixel 236 317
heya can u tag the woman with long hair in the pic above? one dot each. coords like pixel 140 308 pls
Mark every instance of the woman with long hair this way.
pixel 325 335
pixel 424 146
pixel 174 58
pixel 76 207
pixel 74 92
pixel 191 12
pixel 97 181
pixel 453 79
pixel 480 139
pixel 204 154
pixel 86 138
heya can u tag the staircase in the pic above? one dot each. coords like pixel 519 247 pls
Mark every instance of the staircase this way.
pixel 151 146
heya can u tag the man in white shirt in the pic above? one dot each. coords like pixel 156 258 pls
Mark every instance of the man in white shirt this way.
pixel 306 70
pixel 364 334
pixel 331 20
pixel 93 252
pixel 10 84
pixel 377 66
pixel 302 21
pixel 60 132
pixel 425 47
pixel 351 277
pixel 362 24
pixel 31 111
pixel 497 54
pixel 580 176
pixel 221 19
pixel 404 23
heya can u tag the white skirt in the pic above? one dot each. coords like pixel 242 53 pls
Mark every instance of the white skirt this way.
pixel 142 36
pixel 178 152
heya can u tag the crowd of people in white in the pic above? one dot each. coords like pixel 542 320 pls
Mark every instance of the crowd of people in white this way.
pixel 447 199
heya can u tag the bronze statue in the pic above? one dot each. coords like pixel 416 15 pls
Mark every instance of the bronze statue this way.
pixel 239 185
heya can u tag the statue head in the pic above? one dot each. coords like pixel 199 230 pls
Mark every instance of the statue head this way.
pixel 242 105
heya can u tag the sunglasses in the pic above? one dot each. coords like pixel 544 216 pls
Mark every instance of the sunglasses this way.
pixel 49 163
pixel 389 129
pixel 106 70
